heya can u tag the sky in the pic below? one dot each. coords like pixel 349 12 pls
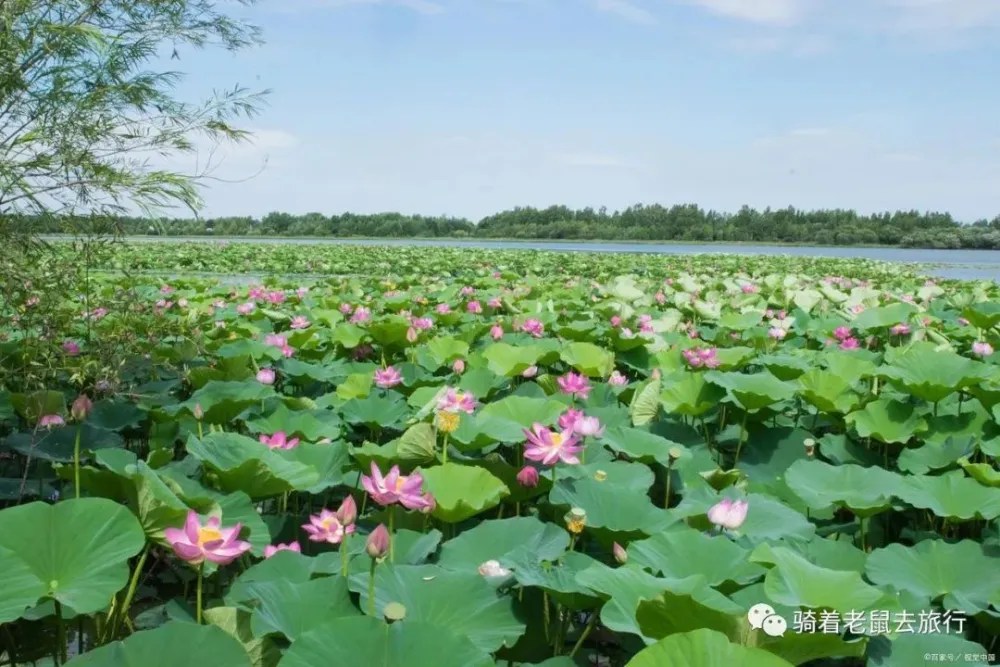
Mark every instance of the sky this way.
pixel 469 107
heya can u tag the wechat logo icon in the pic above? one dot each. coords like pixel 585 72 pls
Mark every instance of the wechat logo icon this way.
pixel 763 617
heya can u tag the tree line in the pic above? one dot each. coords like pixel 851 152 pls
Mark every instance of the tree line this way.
pixel 690 223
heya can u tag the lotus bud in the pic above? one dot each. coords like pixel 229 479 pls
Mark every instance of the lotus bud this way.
pixel 411 335
pixel 620 554
pixel 810 446
pixel 81 408
pixel 347 512
pixel 430 505
pixel 528 477
pixel 530 372
pixel 199 412
pixel 674 453
pixel 656 375
pixel 458 366
pixel 377 545
pixel 576 520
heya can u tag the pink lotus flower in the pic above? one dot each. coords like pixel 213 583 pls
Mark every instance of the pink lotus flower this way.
pixel 412 335
pixel 548 447
pixel 265 376
pixel 456 401
pixel 616 321
pixel 443 309
pixel 346 308
pixel 48 421
pixel 70 348
pixel 574 384
pixel 728 513
pixel 81 407
pixel 495 302
pixel 458 366
pixel 270 549
pixel 900 330
pixel 287 351
pixel 467 291
pixel 617 379
pixel 982 348
pixel 964 322
pixel 300 322
pixel 361 314
pixel 474 307
pixel 276 341
pixel 533 327
pixel 245 308
pixel 496 332
pixel 301 292
pixel 275 297
pixel 619 553
pixel 857 309
pixel 842 333
pixel 279 441
pixel 588 426
pixel 386 378
pixel 749 288
pixel 423 323
pixel 768 313
pixel 777 333
pixel 327 527
pixel 395 488
pixel 849 344
pixel 528 477
pixel 196 543
pixel 701 356
pixel 568 419
pixel 661 298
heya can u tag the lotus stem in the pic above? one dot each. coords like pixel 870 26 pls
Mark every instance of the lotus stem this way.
pixel 343 555
pixel 122 611
pixel 666 493
pixel 200 433
pixel 60 653
pixel 553 475
pixel 739 445
pixel 444 448
pixel 392 533
pixel 371 587
pixel 545 613
pixel 76 460
pixel 198 603
pixel 586 633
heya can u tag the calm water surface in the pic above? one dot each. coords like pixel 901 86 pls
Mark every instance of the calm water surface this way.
pixel 960 264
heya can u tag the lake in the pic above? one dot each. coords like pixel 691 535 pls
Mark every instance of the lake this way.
pixel 959 264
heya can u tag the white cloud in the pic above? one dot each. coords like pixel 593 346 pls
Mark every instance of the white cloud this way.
pixel 626 10
pixel 767 12
pixel 947 15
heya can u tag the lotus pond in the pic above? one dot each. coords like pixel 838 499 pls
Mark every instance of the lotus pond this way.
pixel 460 458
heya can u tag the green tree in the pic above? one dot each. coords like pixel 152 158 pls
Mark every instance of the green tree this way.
pixel 83 118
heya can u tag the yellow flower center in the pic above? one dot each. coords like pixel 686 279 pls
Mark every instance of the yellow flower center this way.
pixel 557 439
pixel 448 421
pixel 208 535
pixel 399 483
pixel 576 526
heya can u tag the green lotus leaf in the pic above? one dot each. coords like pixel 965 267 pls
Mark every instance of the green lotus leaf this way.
pixel 741 321
pixel 495 540
pixel 827 391
pixel 418 444
pixel 589 359
pixel 983 315
pixel 645 403
pixel 865 491
pixel 984 473
pixel 703 648
pixel 292 609
pixel 350 642
pixel 888 420
pixel 263 652
pixel 380 411
pixel 690 604
pixel 913 649
pixel 752 392
pixel 310 425
pixel 795 582
pixel 935 568
pixel 952 495
pixel 510 360
pixel 881 317
pixel 355 385
pixel 443 350
pixel 640 445
pixel 623 588
pixel 684 552
pixel 826 553
pixel 934 455
pixel 390 330
pixel 933 375
pixel 57 445
pixel 172 644
pixel 616 501
pixel 223 401
pixel 506 419
pixel 690 394
pixel 243 464
pixel 767 518
pixel 75 552
pixel 462 491
pixel 785 366
pixel 769 452
pixel 38 404
pixel 462 602
pixel 556 578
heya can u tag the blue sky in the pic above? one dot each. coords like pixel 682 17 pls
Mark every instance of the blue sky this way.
pixel 466 107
